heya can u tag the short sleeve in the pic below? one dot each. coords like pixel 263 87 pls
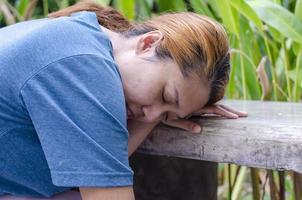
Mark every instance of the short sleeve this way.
pixel 77 108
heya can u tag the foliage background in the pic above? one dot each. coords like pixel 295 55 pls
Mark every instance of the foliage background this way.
pixel 266 56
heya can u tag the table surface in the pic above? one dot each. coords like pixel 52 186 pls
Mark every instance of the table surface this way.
pixel 270 137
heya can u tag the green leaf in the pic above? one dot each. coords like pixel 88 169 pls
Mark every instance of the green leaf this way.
pixel 243 8
pixel 149 3
pixel 103 2
pixel 292 76
pixel 298 77
pixel 126 7
pixel 201 7
pixel 246 38
pixel 21 6
pixel 64 3
pixel 143 10
pixel 296 47
pixel 277 36
pixel 278 1
pixel 298 9
pixel 227 15
pixel 235 64
pixel 279 18
pixel 175 5
pixel 238 185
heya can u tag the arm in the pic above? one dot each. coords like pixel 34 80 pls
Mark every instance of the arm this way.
pixel 113 193
pixel 217 109
pixel 138 131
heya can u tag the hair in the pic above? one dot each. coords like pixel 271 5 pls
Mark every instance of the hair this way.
pixel 195 42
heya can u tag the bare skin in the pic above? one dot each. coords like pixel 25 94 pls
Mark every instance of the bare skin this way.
pixel 150 86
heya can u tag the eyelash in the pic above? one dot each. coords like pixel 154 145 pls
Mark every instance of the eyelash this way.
pixel 163 96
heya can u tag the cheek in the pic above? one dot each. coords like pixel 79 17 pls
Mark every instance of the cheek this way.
pixel 143 85
pixel 141 92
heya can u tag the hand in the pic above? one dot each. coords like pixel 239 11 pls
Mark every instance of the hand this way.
pixel 217 109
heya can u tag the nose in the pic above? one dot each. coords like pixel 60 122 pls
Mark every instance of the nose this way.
pixel 152 113
pixel 156 113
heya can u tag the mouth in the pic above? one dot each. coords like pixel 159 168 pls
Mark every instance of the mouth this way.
pixel 130 114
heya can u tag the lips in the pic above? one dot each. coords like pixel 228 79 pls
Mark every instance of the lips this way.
pixel 130 114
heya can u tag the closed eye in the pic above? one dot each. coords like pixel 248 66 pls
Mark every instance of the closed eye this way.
pixel 164 116
pixel 163 96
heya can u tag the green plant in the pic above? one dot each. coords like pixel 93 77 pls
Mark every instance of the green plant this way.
pixel 266 48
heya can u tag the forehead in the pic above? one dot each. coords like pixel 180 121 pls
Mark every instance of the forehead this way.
pixel 193 94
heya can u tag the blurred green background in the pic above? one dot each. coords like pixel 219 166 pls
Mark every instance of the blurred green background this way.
pixel 266 55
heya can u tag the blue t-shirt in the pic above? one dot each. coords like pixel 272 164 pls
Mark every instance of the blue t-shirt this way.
pixel 62 108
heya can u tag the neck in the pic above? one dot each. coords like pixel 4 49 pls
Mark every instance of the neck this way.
pixel 121 46
pixel 115 40
pixel 123 51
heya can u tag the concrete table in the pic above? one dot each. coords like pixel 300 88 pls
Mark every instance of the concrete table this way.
pixel 270 137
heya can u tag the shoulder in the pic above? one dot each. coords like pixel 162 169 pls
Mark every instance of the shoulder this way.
pixel 79 21
pixel 84 64
pixel 86 76
pixel 44 41
pixel 80 32
pixel 63 36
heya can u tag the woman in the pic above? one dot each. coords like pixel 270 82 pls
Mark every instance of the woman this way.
pixel 75 84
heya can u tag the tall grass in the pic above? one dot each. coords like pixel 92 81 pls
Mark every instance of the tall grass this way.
pixel 266 48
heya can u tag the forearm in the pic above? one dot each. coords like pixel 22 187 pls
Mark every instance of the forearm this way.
pixel 138 131
pixel 112 193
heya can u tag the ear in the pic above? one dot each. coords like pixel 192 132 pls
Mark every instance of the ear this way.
pixel 148 41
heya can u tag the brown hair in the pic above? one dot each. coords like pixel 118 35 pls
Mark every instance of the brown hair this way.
pixel 195 42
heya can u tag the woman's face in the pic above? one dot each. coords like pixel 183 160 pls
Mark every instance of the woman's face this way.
pixel 155 89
